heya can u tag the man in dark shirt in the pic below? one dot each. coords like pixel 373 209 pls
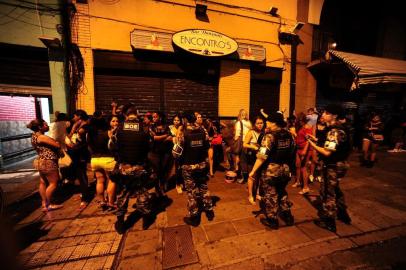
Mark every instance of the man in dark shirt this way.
pixel 333 155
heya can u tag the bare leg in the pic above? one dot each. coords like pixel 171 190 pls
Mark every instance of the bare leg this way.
pixel 111 191
pixel 101 179
pixel 250 183
pixel 365 147
pixel 374 147
pixel 42 191
pixel 210 154
pixel 53 178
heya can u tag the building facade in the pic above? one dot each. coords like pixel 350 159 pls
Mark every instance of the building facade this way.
pixel 129 54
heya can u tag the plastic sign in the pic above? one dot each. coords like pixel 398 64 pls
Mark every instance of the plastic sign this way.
pixel 205 42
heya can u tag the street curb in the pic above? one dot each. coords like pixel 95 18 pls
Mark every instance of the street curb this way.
pixel 336 243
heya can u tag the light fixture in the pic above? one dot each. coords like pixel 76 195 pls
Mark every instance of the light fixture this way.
pixel 297 27
pixel 273 11
pixel 201 8
pixel 51 43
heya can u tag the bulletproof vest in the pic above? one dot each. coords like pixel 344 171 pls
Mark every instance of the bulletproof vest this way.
pixel 337 141
pixel 132 143
pixel 282 147
pixel 195 146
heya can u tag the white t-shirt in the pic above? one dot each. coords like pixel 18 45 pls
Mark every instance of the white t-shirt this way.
pixel 57 131
pixel 246 126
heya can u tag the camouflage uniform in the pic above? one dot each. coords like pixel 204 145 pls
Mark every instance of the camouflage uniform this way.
pixel 334 167
pixel 130 180
pixel 277 149
pixel 195 177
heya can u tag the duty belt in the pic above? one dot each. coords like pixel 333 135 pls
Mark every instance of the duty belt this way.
pixel 193 167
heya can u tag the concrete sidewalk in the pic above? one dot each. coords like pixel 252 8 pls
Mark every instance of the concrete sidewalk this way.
pixel 235 239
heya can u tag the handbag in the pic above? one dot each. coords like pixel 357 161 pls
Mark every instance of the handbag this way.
pixel 237 145
pixel 65 160
pixel 217 140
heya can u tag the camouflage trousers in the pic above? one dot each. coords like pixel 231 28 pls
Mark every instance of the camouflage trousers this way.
pixel 330 192
pixel 131 180
pixel 195 178
pixel 274 180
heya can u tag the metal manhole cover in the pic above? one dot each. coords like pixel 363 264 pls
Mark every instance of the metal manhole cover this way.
pixel 178 248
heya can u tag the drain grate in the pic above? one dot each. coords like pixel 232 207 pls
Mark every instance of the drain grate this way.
pixel 178 248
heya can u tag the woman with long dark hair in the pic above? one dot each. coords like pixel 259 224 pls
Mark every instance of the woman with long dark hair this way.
pixel 372 137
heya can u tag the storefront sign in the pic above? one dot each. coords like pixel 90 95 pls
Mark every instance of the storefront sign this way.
pixel 205 42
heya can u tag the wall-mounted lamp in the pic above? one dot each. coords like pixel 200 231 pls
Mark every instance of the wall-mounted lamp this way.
pixel 297 27
pixel 273 11
pixel 51 43
pixel 332 45
pixel 201 8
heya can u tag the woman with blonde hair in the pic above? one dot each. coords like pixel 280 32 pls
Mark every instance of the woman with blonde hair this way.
pixel 46 163
pixel 242 126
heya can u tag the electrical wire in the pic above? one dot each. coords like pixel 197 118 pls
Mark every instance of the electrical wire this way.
pixel 22 21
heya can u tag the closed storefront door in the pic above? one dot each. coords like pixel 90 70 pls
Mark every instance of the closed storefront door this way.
pixel 170 93
pixel 264 95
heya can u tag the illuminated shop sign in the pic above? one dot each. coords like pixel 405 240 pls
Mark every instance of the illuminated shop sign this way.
pixel 205 42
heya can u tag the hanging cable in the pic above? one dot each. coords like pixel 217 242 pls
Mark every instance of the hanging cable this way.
pixel 39 17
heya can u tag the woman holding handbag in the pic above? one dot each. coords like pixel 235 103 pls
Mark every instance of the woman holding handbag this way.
pixel 242 126
pixel 46 163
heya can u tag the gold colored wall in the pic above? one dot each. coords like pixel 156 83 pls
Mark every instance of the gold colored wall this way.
pixel 108 26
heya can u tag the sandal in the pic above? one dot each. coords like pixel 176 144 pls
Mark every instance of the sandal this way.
pixel 53 207
pixel 296 184
pixel 251 200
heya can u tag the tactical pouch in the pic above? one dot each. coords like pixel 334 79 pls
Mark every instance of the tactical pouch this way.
pixel 342 168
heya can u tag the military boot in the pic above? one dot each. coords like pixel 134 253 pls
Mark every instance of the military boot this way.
pixel 192 220
pixel 272 223
pixel 342 215
pixel 287 217
pixel 209 215
pixel 326 223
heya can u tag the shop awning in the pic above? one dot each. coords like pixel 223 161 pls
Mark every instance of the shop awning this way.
pixel 371 70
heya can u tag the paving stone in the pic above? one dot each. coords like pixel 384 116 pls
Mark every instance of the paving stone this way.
pixel 60 255
pixel 95 263
pixel 220 230
pixel 82 251
pixel 304 215
pixel 34 247
pixel 138 263
pixel 204 259
pixel 255 263
pixel 199 235
pixel 53 267
pixel 291 235
pixel 315 232
pixel 225 211
pixel 91 238
pixel 379 235
pixel 101 248
pixel 346 230
pixel 109 262
pixel 361 223
pixel 115 246
pixel 134 236
pixel 248 225
pixel 52 244
pixel 136 248
pixel 71 231
pixel 309 251
pixel 38 259
pixel 72 241
pixel 87 229
pixel 75 265
pixel 110 236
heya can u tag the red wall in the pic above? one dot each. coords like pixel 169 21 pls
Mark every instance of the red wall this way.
pixel 17 108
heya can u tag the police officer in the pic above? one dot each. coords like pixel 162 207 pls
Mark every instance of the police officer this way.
pixel 191 149
pixel 274 156
pixel 131 146
pixel 333 155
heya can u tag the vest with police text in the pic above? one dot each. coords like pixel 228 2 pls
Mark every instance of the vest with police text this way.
pixel 282 147
pixel 195 146
pixel 132 143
